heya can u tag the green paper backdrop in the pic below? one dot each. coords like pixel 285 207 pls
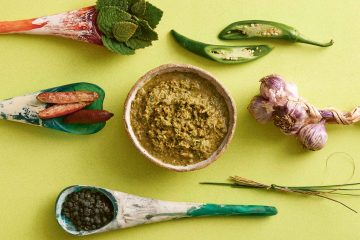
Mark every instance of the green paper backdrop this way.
pixel 37 163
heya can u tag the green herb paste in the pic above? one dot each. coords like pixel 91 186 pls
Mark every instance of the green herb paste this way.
pixel 180 118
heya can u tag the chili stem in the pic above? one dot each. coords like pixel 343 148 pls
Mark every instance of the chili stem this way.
pixel 301 39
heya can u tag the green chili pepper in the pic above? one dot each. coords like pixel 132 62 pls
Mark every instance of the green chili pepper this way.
pixel 223 54
pixel 259 29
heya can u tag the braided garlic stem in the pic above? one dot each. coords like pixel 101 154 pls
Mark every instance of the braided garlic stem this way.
pixel 332 115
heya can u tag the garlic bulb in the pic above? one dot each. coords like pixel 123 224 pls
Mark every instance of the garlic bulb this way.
pixel 273 88
pixel 313 136
pixel 294 115
pixel 291 117
pixel 261 109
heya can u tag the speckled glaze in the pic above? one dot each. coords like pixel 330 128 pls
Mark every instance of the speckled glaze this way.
pixel 131 210
pixel 25 109
pixel 206 76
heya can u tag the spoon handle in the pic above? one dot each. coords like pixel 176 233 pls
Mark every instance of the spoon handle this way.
pixel 22 109
pixel 231 210
pixel 138 210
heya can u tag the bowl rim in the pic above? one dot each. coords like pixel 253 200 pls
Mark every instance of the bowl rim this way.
pixel 206 76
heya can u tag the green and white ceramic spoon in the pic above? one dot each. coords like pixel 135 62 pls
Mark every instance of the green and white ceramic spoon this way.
pixel 25 109
pixel 131 210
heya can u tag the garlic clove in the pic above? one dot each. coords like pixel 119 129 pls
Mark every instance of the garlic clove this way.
pixel 313 136
pixel 261 109
pixel 291 117
pixel 272 87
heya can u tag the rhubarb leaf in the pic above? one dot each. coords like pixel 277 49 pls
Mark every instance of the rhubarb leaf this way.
pixel 138 8
pixel 107 18
pixel 135 43
pixel 123 31
pixel 152 15
pixel 127 25
pixel 147 33
pixel 122 4
pixel 116 46
pixel 132 2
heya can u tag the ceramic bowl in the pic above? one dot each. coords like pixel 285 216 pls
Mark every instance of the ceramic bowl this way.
pixel 207 77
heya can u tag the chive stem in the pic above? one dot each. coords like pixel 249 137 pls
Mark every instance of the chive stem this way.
pixel 328 186
pixel 334 200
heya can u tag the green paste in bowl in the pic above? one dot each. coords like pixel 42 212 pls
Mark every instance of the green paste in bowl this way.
pixel 180 118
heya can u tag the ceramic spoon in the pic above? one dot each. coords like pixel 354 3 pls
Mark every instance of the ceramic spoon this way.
pixel 131 210
pixel 25 109
pixel 78 25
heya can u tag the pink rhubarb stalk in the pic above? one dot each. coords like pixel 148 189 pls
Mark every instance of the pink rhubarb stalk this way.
pixel 78 25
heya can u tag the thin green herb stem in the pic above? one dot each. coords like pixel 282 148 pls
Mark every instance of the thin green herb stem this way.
pixel 330 191
pixel 327 186
pixel 228 184
pixel 345 194
pixel 334 200
pixel 343 189
pixel 337 189
pixel 214 183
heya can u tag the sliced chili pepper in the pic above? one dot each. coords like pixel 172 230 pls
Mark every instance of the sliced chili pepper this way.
pixel 223 54
pixel 67 97
pixel 260 29
pixel 88 116
pixel 62 110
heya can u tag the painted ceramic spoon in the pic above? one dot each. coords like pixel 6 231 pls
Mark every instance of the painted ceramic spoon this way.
pixel 131 210
pixel 121 26
pixel 78 25
pixel 25 109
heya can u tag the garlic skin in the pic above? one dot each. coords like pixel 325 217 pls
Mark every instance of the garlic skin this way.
pixel 261 109
pixel 313 136
pixel 272 87
pixel 291 90
pixel 291 117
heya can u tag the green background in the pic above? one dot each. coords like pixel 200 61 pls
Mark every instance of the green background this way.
pixel 36 164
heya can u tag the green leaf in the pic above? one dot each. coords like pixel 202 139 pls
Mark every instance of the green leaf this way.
pixel 123 31
pixel 122 4
pixel 135 43
pixel 138 8
pixel 116 46
pixel 132 2
pixel 136 20
pixel 152 15
pixel 107 18
pixel 147 33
